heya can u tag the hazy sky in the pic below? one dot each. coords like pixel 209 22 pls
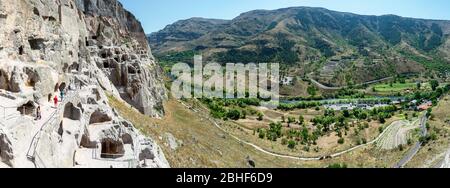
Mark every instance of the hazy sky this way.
pixel 156 14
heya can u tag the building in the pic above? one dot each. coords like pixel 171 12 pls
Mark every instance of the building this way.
pixel 425 106
pixel 287 80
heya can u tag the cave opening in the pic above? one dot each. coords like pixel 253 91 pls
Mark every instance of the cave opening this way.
pixel 20 50
pixel 33 77
pixel 72 112
pixel 4 81
pixel 99 117
pixel 37 44
pixel 27 108
pixel 74 67
pixel 104 55
pixel 112 149
pixel 131 70
pixel 36 11
pixel 124 57
pixel 106 64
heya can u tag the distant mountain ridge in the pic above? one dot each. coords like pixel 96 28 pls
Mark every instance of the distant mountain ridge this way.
pixel 336 47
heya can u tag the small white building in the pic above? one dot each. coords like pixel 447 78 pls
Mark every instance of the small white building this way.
pixel 288 80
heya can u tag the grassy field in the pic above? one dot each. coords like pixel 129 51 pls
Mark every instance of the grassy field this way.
pixel 395 87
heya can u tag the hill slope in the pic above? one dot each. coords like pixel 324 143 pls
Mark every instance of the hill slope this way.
pixel 337 47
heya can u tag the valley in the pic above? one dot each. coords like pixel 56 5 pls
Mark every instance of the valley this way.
pixel 83 86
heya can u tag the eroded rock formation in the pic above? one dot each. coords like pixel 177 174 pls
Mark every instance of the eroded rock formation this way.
pixel 87 49
pixel 72 35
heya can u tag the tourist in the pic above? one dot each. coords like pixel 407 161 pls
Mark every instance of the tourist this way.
pixel 38 113
pixel 55 100
pixel 62 95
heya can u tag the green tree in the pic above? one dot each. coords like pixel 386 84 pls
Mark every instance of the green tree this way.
pixel 291 120
pixel 234 114
pixel 262 133
pixel 434 84
pixel 341 141
pixel 301 120
pixel 260 116
pixel 346 113
pixel 312 90
pixel 291 144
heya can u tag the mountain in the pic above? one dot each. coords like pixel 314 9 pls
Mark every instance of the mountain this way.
pixel 335 47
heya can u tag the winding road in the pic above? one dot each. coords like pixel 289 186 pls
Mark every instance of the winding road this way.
pixel 413 151
pixel 321 86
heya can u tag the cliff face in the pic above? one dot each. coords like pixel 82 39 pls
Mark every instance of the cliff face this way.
pixel 67 35
pixel 91 49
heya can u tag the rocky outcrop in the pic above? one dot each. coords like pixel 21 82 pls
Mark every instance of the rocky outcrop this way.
pixel 70 35
pixel 123 54
pixel 92 48
pixel 6 152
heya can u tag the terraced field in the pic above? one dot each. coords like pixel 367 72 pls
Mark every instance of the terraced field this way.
pixel 397 134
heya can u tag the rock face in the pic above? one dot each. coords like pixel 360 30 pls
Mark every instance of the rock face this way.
pixel 81 52
pixel 72 35
pixel 6 154
pixel 123 54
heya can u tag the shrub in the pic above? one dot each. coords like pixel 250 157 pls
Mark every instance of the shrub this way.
pixel 291 144
pixel 341 141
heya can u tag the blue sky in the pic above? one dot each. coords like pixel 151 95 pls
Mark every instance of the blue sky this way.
pixel 156 14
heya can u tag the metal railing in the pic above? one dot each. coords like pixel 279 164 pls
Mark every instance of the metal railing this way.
pixel 132 162
pixel 3 112
pixel 52 121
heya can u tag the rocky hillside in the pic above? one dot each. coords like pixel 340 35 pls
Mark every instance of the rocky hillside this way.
pixel 332 45
pixel 82 52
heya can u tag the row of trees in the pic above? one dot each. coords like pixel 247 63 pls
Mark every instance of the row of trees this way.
pixel 233 109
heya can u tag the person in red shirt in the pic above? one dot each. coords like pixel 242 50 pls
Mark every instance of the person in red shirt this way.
pixel 55 100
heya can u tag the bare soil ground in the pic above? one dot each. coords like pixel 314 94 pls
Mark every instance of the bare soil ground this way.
pixel 326 145
pixel 434 152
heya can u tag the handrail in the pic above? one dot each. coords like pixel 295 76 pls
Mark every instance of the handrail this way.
pixel 136 147
pixel 1 106
pixel 31 154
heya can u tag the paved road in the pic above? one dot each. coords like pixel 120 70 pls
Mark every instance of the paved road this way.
pixel 416 147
